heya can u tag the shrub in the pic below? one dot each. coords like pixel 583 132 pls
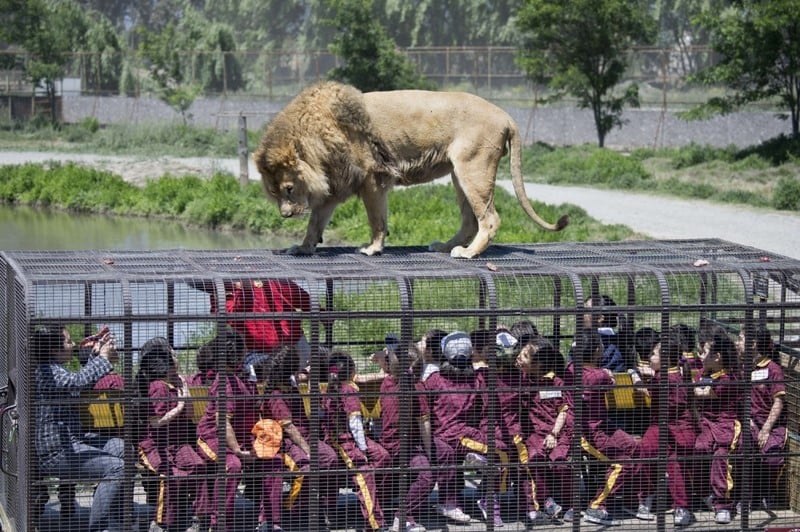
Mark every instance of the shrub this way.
pixel 787 194
pixel 695 154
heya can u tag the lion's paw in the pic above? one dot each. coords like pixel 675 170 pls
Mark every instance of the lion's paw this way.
pixel 460 252
pixel 370 250
pixel 439 247
pixel 299 250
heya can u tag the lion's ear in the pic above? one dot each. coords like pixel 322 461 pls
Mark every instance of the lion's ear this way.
pixel 285 156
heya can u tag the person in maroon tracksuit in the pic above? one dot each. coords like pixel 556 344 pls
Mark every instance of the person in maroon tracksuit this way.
pixel 544 430
pixel 285 404
pixel 452 401
pixel 167 434
pixel 344 430
pixel 484 340
pixel 601 441
pixel 680 427
pixel 422 478
pixel 768 426
pixel 241 412
pixel 718 399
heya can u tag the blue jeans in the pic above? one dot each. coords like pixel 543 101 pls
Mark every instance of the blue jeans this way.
pixel 104 465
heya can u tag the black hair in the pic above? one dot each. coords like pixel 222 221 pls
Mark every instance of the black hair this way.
pixel 155 361
pixel 482 339
pixel 278 370
pixel 687 336
pixel 708 331
pixel 672 351
pixel 609 317
pixel 45 341
pixel 433 341
pixel 644 340
pixel 589 347
pixel 341 368
pixel 721 343
pixel 228 348
pixel 763 342
pixel 524 331
pixel 549 358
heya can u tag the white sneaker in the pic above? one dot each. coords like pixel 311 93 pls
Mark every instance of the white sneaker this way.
pixel 682 517
pixel 723 517
pixel 454 513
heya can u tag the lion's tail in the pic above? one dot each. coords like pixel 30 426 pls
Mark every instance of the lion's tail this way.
pixel 515 155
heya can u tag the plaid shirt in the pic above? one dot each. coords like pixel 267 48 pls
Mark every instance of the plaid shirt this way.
pixel 58 423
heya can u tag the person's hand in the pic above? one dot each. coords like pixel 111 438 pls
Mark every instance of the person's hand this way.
pixel 245 456
pixel 550 441
pixel 763 436
pixel 107 347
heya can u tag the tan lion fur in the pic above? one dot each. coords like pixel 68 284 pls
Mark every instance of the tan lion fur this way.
pixel 332 142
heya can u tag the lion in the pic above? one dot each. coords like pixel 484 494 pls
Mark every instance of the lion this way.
pixel 332 142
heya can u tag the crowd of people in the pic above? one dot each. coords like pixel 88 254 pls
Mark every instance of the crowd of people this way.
pixel 499 401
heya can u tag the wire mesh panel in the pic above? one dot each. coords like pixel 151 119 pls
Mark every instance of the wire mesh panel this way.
pixel 643 384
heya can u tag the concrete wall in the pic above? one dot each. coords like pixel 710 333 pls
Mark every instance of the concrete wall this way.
pixel 558 126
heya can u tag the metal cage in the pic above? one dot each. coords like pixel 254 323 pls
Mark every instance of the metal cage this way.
pixel 351 303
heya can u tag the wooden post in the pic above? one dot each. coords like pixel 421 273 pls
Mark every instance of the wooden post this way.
pixel 244 177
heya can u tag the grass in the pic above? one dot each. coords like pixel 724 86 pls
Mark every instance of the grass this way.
pixel 428 213
pixel 763 176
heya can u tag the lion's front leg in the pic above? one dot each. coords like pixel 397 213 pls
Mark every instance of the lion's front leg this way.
pixel 317 222
pixel 376 202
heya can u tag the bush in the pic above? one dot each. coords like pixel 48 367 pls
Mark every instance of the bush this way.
pixel 787 194
pixel 694 154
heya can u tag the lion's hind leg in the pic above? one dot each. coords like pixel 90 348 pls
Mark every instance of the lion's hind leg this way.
pixel 469 224
pixel 479 219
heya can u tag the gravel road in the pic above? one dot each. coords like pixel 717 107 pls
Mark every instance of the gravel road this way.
pixel 656 216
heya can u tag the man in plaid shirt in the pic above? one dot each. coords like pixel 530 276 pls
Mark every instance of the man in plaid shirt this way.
pixel 63 450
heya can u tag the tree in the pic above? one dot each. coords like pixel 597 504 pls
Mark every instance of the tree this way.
pixel 49 32
pixel 165 53
pixel 759 47
pixel 580 48
pixel 371 61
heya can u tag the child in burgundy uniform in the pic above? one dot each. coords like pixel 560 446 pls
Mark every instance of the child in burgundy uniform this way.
pixel 344 429
pixel 285 405
pixel 452 400
pixel 719 429
pixel 420 433
pixel 680 428
pixel 767 413
pixel 167 434
pixel 482 341
pixel 241 411
pixel 599 439
pixel 547 422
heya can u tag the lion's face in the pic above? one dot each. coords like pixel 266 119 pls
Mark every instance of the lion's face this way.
pixel 289 192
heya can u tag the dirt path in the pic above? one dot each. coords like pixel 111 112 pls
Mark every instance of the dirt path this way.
pixel 657 216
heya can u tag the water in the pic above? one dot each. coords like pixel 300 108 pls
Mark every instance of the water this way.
pixel 25 228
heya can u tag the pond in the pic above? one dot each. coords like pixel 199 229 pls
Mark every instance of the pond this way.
pixel 25 228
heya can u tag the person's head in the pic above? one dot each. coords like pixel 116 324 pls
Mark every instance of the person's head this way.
pixel 227 348
pixel 644 340
pixel 341 368
pixel 589 347
pixel 524 331
pixel 457 349
pixel 430 345
pixel 539 357
pixel 156 362
pixel 482 340
pixel 280 368
pixel 722 353
pixel 606 319
pixel 671 350
pixel 705 338
pixel 684 334
pixel 761 346
pixel 51 344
